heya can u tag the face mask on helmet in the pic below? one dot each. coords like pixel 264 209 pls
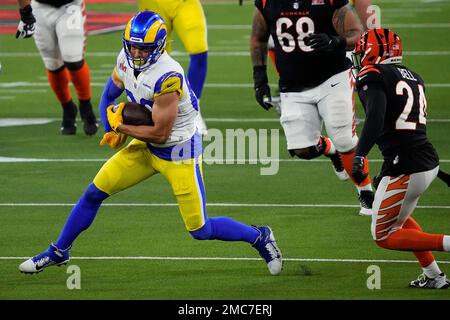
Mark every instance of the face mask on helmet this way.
pixel 144 40
pixel 377 46
pixel 356 63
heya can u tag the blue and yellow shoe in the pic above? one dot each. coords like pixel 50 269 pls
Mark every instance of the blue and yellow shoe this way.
pixel 268 250
pixel 52 256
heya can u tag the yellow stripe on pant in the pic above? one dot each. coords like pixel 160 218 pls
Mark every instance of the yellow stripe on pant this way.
pixel 135 163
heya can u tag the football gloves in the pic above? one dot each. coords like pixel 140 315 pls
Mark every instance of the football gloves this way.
pixel 444 177
pixel 376 180
pixel 113 140
pixel 324 42
pixel 358 173
pixel 262 89
pixel 114 114
pixel 26 25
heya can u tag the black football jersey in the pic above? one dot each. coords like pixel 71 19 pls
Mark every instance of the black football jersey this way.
pixel 403 140
pixel 290 21
pixel 55 3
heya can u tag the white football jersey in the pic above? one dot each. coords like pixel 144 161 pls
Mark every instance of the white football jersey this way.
pixel 155 81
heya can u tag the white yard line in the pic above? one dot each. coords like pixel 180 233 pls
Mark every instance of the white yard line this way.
pixel 235 120
pixel 241 51
pixel 205 160
pixel 144 258
pixel 212 204
pixel 23 84
pixel 11 122
pixel 232 120
pixel 441 25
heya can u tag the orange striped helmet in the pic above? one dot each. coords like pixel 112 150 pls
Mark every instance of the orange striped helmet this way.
pixel 377 46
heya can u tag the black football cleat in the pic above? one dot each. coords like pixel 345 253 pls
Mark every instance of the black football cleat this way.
pixel 366 200
pixel 90 125
pixel 68 124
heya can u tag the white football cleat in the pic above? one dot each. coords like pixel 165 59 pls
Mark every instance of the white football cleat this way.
pixel 268 250
pixel 423 282
pixel 338 167
pixel 53 256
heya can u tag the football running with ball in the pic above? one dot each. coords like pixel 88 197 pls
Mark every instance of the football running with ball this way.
pixel 136 114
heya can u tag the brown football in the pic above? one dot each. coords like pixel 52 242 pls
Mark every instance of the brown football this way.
pixel 136 114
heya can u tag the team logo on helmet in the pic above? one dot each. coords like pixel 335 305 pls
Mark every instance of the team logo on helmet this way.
pixel 144 40
pixel 377 46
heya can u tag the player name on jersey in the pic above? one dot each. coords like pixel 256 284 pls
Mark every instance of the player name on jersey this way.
pixel 406 74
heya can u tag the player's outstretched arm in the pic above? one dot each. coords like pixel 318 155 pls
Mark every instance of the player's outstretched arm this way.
pixel 164 113
pixel 374 100
pixel 347 25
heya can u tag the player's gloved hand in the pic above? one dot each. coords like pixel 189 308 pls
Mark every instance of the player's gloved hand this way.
pixel 376 180
pixel 262 89
pixel 358 173
pixel 114 114
pixel 26 24
pixel 324 42
pixel 114 140
pixel 444 177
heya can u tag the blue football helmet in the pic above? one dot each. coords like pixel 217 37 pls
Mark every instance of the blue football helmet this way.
pixel 146 31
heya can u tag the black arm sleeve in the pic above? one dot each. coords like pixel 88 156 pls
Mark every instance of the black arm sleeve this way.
pixel 374 101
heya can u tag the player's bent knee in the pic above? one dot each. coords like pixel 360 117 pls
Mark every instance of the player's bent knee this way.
pixel 204 233
pixel 345 144
pixel 74 66
pixel 94 194
pixel 384 243
pixel 196 47
pixel 53 65
pixel 57 70
pixel 306 153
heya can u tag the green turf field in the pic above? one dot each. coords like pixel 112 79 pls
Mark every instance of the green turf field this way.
pixel 137 248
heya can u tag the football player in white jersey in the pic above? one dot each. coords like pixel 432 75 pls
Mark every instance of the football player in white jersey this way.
pixel 58 29
pixel 172 147
pixel 187 19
